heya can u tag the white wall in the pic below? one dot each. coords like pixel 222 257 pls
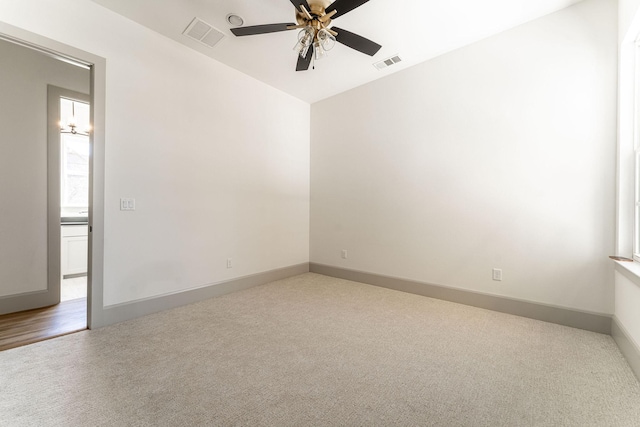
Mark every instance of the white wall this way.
pixel 218 162
pixel 626 306
pixel 500 154
pixel 438 173
pixel 25 75
pixel 627 292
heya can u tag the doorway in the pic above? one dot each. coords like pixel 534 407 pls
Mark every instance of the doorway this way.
pixel 70 112
pixel 30 175
pixel 68 149
pixel 30 247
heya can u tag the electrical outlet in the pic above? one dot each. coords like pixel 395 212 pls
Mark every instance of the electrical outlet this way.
pixel 344 254
pixel 229 263
pixel 497 274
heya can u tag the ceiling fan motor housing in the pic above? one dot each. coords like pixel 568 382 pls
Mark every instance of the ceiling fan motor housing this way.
pixel 317 10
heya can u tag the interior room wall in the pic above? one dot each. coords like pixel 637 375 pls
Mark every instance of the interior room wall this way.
pixel 627 301
pixel 497 155
pixel 627 292
pixel 217 162
pixel 25 75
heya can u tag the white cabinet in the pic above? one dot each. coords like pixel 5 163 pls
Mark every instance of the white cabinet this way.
pixel 74 251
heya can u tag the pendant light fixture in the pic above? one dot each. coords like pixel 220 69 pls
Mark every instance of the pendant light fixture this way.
pixel 71 126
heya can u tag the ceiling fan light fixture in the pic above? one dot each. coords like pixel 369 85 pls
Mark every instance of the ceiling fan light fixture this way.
pixel 319 50
pixel 326 39
pixel 305 40
pixel 235 20
pixel 304 51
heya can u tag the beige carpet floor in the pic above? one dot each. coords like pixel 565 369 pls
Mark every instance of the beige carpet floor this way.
pixel 317 351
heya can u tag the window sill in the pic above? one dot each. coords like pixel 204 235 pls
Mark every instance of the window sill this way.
pixel 631 270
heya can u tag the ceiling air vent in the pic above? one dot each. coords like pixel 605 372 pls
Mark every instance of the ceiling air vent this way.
pixel 387 62
pixel 203 32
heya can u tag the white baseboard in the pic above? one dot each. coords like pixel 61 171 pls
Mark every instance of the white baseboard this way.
pixel 628 347
pixel 562 316
pixel 600 323
pixel 130 310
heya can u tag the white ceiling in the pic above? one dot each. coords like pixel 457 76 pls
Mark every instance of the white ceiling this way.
pixel 417 30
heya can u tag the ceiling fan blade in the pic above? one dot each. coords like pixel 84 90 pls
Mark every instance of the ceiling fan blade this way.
pixel 303 63
pixel 356 42
pixel 297 4
pixel 343 6
pixel 260 29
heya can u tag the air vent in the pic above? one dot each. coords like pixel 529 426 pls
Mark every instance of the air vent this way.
pixel 387 62
pixel 203 32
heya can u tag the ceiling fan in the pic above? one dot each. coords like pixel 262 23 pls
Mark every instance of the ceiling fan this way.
pixel 316 36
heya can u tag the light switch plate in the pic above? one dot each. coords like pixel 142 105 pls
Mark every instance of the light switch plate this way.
pixel 127 204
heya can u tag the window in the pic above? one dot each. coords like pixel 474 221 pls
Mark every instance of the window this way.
pixel 74 156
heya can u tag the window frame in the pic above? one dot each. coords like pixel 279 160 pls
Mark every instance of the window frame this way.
pixel 636 147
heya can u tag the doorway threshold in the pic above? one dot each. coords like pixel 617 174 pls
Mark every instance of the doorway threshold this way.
pixel 31 326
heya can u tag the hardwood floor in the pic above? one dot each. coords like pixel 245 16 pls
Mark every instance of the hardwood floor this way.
pixel 27 327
